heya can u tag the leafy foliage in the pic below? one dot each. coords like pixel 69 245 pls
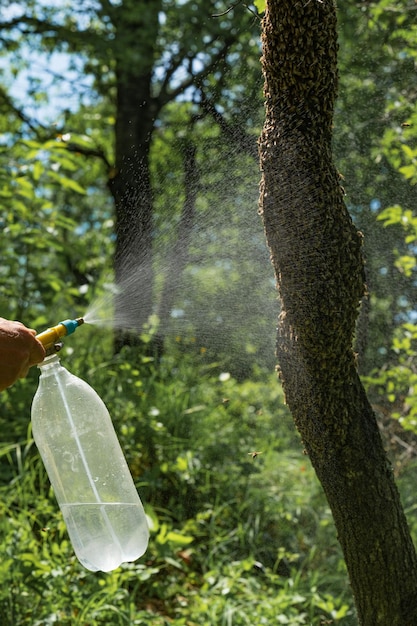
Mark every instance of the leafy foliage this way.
pixel 234 539
pixel 39 183
pixel 397 383
pixel 375 100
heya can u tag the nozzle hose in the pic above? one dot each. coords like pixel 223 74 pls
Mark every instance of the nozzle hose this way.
pixel 51 336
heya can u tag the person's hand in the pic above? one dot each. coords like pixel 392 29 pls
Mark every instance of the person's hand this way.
pixel 19 350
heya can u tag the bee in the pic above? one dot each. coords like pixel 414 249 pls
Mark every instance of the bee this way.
pixel 254 454
pixel 406 124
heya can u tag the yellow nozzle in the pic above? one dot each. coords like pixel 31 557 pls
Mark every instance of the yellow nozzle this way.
pixel 51 336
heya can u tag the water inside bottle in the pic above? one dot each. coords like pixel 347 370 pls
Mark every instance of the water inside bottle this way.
pixel 112 533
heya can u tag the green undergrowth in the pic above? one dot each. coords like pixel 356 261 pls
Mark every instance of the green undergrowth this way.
pixel 236 538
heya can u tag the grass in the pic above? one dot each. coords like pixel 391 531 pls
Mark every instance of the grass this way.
pixel 235 540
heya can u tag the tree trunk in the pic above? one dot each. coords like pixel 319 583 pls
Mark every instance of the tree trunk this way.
pixel 136 26
pixel 316 253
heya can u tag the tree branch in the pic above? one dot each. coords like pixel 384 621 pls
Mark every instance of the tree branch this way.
pixel 194 79
pixel 8 102
pixel 236 134
pixel 90 152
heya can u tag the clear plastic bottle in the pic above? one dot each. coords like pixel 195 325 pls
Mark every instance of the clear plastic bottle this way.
pixel 74 433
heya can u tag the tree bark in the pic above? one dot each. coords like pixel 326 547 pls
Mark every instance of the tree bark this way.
pixel 136 26
pixel 316 254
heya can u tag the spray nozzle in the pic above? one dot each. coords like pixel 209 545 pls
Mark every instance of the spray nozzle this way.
pixel 50 338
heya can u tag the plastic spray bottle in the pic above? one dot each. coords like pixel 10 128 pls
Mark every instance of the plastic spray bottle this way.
pixel 74 433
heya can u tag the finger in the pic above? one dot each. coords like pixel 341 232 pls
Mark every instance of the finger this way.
pixel 37 353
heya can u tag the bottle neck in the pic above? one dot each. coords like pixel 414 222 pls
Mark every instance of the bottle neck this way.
pixel 49 363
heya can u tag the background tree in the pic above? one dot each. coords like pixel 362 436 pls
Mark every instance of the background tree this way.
pixel 316 252
pixel 140 56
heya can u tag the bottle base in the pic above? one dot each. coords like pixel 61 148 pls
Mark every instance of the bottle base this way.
pixel 104 535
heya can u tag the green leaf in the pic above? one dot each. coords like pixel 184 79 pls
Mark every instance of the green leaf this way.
pixel 67 183
pixel 391 215
pixel 406 264
pixel 260 5
pixel 177 538
pixel 408 171
pixel 38 170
